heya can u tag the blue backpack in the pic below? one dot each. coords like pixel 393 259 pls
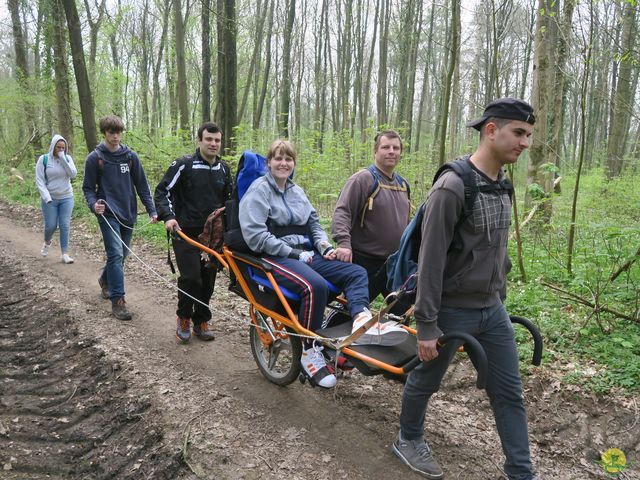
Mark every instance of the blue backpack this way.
pixel 250 167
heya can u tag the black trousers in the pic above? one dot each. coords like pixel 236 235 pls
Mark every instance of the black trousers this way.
pixel 196 278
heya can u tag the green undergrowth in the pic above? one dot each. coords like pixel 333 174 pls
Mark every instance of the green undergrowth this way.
pixel 585 346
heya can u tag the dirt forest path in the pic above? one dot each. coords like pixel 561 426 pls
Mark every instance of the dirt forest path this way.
pixel 159 401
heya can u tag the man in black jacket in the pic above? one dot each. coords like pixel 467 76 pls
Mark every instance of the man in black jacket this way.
pixel 193 187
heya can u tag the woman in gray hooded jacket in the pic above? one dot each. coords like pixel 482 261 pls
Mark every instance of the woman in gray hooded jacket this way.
pixel 54 171
pixel 279 223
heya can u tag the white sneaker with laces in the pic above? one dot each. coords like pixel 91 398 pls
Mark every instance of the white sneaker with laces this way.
pixel 315 366
pixel 65 258
pixel 384 334
pixel 45 249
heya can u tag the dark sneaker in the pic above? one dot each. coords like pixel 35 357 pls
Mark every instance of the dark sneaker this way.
pixel 201 330
pixel 104 288
pixel 119 309
pixel 417 455
pixel 183 329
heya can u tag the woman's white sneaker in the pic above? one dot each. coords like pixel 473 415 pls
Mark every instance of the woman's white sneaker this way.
pixel 44 251
pixel 315 366
pixel 65 258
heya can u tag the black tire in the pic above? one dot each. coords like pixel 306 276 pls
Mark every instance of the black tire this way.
pixel 284 368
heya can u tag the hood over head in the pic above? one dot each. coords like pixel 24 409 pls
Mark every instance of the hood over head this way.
pixel 56 138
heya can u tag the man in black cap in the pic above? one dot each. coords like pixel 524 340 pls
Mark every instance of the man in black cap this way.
pixel 462 268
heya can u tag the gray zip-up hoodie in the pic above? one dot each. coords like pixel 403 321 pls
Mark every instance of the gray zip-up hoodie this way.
pixel 473 276
pixel 265 201
pixel 56 184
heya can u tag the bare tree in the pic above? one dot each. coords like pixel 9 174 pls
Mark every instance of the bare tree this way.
pixel 623 96
pixel 22 66
pixel 228 80
pixel 285 85
pixel 82 78
pixel 453 60
pixel 181 66
pixel 206 60
pixel 63 97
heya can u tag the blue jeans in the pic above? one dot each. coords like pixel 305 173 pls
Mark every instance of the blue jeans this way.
pixel 57 213
pixel 113 272
pixel 493 329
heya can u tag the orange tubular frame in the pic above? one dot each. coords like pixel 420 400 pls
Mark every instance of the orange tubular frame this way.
pixel 228 260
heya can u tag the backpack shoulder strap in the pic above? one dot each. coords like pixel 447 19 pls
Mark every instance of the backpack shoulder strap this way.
pixel 45 160
pixel 401 181
pixel 463 169
pixel 375 188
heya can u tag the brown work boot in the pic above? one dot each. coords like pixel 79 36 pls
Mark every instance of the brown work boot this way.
pixel 201 330
pixel 119 309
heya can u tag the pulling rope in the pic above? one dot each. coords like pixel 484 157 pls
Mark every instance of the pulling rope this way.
pixel 133 229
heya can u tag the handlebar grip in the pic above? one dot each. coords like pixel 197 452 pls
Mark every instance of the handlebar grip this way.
pixel 535 333
pixel 471 344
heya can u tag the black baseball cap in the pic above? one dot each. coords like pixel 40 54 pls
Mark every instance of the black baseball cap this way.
pixel 510 108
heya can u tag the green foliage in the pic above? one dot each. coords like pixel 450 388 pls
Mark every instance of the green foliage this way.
pixel 603 349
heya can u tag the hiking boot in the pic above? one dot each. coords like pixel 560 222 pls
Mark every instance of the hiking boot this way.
pixel 44 251
pixel 104 288
pixel 417 455
pixel 315 367
pixel 201 330
pixel 65 258
pixel 183 329
pixel 119 309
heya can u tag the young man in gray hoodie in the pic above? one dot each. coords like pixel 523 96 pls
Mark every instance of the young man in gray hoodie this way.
pixel 461 287
pixel 113 175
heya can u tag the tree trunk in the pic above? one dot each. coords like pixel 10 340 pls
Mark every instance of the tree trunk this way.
pixel 22 67
pixel 381 99
pixel 285 85
pixel 623 98
pixel 155 100
pixel 453 60
pixel 181 67
pixel 229 110
pixel 144 65
pixel 258 36
pixel 63 96
pixel 82 78
pixel 542 101
pixel 425 77
pixel 257 114
pixel 583 129
pixel 560 85
pixel 206 60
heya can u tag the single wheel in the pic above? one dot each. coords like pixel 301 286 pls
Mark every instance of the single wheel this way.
pixel 277 356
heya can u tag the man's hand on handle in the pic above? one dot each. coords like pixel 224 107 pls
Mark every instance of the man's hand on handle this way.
pixel 172 225
pixel 427 349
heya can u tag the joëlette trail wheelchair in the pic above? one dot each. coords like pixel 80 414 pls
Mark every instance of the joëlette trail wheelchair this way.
pixel 276 335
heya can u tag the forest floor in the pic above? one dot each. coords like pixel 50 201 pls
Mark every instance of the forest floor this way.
pixel 83 395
